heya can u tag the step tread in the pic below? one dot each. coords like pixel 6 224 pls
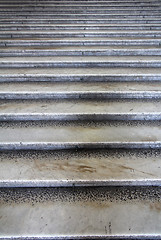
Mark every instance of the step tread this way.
pixel 79 87
pixel 80 213
pixel 87 31
pixel 109 20
pixel 82 40
pixel 48 135
pixel 37 108
pixel 80 168
pixel 63 59
pixel 79 48
pixel 81 25
pixel 142 72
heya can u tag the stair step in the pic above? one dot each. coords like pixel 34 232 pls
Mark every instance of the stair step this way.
pixel 35 4
pixel 84 16
pixel 87 16
pixel 74 11
pixel 80 213
pixel 80 42
pixel 40 107
pixel 78 8
pixel 11 27
pixel 80 21
pixel 80 27
pixel 81 51
pixel 84 6
pixel 71 4
pixel 75 90
pixel 79 134
pixel 69 168
pixel 81 34
pixel 81 61
pixel 80 74
pixel 81 1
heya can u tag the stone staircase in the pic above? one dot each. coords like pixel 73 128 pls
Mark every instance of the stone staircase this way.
pixel 80 119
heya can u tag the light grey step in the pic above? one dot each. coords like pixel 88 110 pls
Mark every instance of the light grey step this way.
pixel 84 25
pixel 86 16
pixel 76 11
pixel 85 11
pixel 80 21
pixel 76 3
pixel 54 135
pixel 82 2
pixel 81 213
pixel 85 1
pixel 78 8
pixel 80 16
pixel 79 109
pixel 81 48
pixel 137 2
pixel 82 34
pixel 80 74
pixel 45 27
pixel 80 42
pixel 79 90
pixel 78 51
pixel 80 168
pixel 81 62
pixel 73 4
